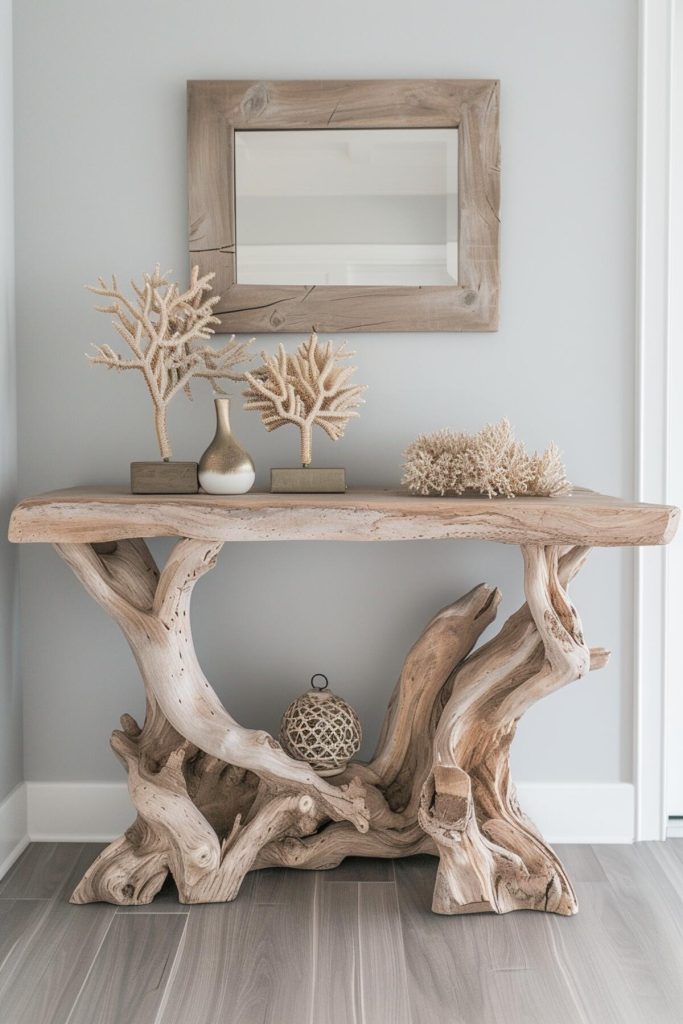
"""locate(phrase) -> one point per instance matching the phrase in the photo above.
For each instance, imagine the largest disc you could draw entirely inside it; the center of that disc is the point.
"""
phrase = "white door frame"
(674, 609)
(655, 60)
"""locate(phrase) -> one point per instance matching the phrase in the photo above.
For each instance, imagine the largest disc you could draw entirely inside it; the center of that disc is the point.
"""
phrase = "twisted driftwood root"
(215, 800)
(491, 856)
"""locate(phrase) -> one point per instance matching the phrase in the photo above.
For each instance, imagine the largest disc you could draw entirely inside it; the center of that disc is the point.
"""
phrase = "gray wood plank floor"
(357, 945)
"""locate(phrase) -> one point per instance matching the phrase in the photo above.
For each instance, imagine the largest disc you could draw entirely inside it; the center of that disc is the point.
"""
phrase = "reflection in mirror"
(347, 207)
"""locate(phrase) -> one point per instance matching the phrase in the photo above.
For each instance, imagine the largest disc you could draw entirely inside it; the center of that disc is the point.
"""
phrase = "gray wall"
(101, 187)
(10, 694)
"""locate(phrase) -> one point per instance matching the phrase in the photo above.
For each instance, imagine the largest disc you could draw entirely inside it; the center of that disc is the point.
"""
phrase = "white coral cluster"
(491, 462)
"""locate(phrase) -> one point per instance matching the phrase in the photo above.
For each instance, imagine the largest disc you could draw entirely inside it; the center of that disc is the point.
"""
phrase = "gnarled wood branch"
(216, 800)
(469, 805)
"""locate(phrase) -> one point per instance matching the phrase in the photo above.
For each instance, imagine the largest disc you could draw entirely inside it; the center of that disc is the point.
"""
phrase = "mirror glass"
(347, 207)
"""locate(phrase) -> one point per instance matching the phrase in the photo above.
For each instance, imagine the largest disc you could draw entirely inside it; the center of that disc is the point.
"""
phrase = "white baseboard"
(565, 812)
(14, 836)
(78, 812)
(581, 812)
(674, 828)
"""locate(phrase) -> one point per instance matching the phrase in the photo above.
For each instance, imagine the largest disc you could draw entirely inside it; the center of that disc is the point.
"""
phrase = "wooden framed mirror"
(341, 206)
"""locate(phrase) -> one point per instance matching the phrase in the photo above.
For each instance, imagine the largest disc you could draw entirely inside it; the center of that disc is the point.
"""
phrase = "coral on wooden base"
(165, 328)
(306, 387)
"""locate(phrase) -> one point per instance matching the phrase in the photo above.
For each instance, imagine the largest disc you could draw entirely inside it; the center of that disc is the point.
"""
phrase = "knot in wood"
(255, 100)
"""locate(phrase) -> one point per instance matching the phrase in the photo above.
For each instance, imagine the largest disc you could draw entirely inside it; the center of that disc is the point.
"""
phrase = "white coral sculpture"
(164, 328)
(490, 462)
(306, 387)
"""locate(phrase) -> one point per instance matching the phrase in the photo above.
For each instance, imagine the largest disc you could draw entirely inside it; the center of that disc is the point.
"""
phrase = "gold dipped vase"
(225, 467)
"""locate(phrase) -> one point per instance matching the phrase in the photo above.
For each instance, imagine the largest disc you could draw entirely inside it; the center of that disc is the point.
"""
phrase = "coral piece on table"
(491, 462)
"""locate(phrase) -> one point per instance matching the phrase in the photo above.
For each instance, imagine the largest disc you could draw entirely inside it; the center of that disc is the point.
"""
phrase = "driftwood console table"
(215, 800)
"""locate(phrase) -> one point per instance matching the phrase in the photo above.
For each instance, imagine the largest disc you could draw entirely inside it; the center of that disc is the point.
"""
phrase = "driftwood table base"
(215, 800)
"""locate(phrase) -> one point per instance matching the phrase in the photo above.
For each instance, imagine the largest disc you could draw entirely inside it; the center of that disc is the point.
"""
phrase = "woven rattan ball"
(321, 728)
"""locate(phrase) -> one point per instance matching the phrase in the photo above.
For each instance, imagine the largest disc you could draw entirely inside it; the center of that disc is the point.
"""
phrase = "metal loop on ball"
(319, 675)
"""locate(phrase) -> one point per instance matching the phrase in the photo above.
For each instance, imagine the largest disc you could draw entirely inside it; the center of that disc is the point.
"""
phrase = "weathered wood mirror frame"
(216, 109)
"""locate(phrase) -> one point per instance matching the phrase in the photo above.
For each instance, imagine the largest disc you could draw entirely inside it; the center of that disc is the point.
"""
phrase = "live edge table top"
(91, 515)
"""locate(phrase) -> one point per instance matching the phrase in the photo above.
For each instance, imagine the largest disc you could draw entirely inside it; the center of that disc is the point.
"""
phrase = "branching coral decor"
(164, 328)
(491, 462)
(306, 387)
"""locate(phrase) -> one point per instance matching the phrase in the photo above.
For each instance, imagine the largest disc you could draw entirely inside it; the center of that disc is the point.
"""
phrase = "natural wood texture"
(581, 862)
(90, 515)
(215, 800)
(191, 755)
(275, 928)
(19, 919)
(217, 109)
(308, 480)
(40, 872)
(165, 902)
(646, 922)
(336, 995)
(471, 969)
(130, 973)
(360, 869)
(491, 857)
(41, 979)
(164, 478)
(290, 949)
(381, 954)
(594, 970)
(192, 769)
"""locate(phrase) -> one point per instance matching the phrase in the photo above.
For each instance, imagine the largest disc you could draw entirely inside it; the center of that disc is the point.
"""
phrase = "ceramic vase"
(225, 467)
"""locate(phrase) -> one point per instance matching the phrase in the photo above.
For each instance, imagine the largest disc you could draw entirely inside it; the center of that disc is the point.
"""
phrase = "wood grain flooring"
(357, 945)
